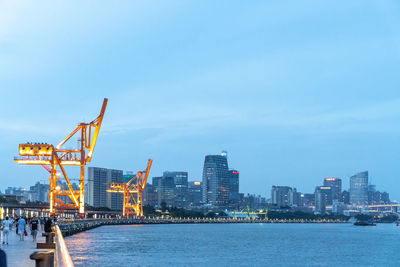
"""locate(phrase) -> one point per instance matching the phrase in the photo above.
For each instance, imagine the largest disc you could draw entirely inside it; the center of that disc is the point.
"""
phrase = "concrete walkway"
(17, 251)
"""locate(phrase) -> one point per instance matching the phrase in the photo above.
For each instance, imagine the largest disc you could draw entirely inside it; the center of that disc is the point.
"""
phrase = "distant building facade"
(359, 188)
(336, 188)
(96, 189)
(195, 193)
(321, 196)
(280, 195)
(216, 180)
(180, 187)
(233, 187)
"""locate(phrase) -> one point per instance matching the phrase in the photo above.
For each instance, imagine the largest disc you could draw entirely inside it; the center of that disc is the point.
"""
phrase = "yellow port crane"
(57, 156)
(133, 192)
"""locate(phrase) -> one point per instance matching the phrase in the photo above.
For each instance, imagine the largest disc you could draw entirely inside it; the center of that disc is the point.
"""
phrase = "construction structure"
(133, 192)
(51, 157)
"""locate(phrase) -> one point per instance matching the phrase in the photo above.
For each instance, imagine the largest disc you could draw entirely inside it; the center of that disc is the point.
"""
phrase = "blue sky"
(295, 90)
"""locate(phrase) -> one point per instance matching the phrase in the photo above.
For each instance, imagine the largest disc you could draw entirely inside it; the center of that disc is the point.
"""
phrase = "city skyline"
(292, 99)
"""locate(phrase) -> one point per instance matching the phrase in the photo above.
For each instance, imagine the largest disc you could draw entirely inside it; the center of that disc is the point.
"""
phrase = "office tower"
(359, 188)
(371, 194)
(308, 200)
(233, 187)
(294, 198)
(115, 201)
(180, 187)
(97, 195)
(320, 199)
(150, 195)
(336, 186)
(216, 180)
(194, 193)
(345, 198)
(164, 188)
(280, 195)
(39, 192)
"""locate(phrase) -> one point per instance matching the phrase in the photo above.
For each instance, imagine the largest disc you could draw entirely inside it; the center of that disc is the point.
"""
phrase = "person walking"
(34, 227)
(7, 223)
(21, 228)
(16, 224)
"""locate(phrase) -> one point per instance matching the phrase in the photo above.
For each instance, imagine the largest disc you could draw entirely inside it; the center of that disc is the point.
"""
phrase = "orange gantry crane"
(133, 192)
(57, 156)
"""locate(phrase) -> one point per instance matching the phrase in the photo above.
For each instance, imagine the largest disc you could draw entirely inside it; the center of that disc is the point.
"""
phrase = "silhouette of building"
(96, 189)
(233, 187)
(359, 188)
(336, 188)
(280, 195)
(216, 180)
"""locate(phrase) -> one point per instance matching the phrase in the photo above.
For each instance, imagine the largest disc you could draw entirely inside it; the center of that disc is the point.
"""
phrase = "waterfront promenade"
(18, 252)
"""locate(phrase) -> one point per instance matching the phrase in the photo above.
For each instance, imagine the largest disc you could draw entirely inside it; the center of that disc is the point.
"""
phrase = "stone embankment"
(70, 227)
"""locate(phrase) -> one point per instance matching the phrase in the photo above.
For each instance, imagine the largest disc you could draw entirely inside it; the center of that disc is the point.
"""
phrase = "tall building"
(294, 198)
(371, 194)
(150, 196)
(115, 201)
(233, 187)
(336, 186)
(96, 190)
(280, 195)
(321, 196)
(194, 193)
(39, 192)
(359, 188)
(345, 197)
(216, 180)
(164, 188)
(307, 200)
(180, 187)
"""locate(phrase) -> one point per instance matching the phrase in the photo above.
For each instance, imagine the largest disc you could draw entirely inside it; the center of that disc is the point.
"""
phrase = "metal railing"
(63, 259)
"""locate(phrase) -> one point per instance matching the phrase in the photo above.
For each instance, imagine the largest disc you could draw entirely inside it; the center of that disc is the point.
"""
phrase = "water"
(237, 244)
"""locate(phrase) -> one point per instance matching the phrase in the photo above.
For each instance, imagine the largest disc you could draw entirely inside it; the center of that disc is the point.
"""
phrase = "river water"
(237, 244)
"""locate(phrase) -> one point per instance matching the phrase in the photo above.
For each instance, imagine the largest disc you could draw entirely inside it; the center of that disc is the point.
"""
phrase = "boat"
(364, 223)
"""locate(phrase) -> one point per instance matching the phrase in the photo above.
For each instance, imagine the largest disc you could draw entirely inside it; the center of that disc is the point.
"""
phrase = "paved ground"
(17, 251)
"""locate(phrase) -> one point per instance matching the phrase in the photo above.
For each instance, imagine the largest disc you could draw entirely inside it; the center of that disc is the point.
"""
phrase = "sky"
(295, 91)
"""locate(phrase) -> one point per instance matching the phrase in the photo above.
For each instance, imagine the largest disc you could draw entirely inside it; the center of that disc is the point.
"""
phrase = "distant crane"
(48, 155)
(133, 192)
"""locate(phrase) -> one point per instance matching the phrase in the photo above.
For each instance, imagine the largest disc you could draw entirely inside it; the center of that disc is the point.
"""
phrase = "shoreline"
(75, 227)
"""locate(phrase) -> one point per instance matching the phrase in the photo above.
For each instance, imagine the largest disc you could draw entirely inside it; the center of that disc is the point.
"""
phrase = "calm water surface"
(237, 244)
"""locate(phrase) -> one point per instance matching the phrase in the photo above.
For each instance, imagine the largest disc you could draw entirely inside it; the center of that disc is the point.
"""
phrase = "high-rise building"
(164, 188)
(216, 180)
(372, 194)
(345, 197)
(336, 186)
(321, 196)
(280, 195)
(307, 200)
(233, 187)
(180, 188)
(194, 193)
(96, 190)
(115, 201)
(149, 195)
(39, 192)
(294, 198)
(359, 188)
